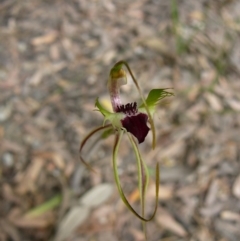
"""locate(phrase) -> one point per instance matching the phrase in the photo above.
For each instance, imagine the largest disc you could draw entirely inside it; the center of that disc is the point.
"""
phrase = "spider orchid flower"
(131, 120)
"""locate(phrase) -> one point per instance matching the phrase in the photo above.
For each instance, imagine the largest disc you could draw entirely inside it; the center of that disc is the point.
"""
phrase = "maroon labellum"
(134, 122)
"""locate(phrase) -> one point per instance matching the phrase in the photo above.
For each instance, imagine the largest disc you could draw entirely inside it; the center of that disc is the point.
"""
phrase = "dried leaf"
(43, 221)
(214, 101)
(231, 216)
(167, 221)
(73, 219)
(236, 188)
(5, 112)
(234, 104)
(36, 79)
(156, 44)
(97, 195)
(28, 180)
(45, 39)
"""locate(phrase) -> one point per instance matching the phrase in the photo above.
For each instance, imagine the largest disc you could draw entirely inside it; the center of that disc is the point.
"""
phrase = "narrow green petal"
(107, 133)
(143, 179)
(116, 176)
(143, 176)
(114, 118)
(104, 111)
(154, 96)
(117, 180)
(84, 141)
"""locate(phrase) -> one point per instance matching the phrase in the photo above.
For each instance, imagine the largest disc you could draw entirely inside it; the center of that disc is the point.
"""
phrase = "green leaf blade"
(45, 207)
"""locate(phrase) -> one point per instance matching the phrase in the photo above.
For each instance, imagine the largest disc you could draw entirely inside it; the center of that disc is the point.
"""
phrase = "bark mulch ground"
(55, 58)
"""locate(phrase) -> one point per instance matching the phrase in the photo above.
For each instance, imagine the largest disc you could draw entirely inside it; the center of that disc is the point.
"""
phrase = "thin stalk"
(143, 179)
(116, 176)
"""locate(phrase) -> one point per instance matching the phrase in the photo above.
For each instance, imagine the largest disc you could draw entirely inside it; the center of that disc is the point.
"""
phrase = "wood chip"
(43, 221)
(214, 101)
(234, 104)
(231, 216)
(44, 39)
(166, 192)
(167, 221)
(236, 187)
(28, 180)
(97, 195)
(73, 219)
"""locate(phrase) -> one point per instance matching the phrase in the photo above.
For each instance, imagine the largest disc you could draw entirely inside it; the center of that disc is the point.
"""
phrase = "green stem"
(143, 179)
